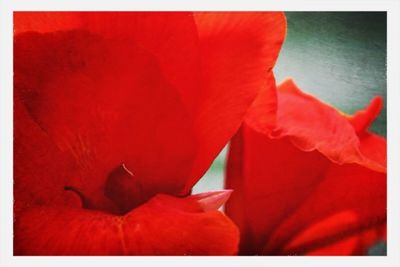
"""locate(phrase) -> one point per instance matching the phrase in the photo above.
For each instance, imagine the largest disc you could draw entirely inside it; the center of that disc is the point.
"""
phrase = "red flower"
(315, 184)
(122, 113)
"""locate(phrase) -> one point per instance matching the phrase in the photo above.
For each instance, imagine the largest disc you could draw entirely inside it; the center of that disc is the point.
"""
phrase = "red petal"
(270, 178)
(176, 53)
(362, 119)
(372, 146)
(262, 113)
(45, 21)
(335, 224)
(238, 51)
(163, 226)
(166, 93)
(343, 188)
(106, 103)
(356, 244)
(329, 233)
(284, 190)
(317, 127)
(36, 159)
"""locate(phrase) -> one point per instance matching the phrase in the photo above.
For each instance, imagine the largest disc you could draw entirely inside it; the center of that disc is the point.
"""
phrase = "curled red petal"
(372, 145)
(318, 127)
(163, 226)
(362, 119)
(283, 191)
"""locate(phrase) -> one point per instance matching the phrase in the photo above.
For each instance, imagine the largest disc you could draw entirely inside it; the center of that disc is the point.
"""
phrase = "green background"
(340, 57)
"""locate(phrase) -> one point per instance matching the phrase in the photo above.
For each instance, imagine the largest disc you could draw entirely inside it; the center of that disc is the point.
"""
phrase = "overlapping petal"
(163, 226)
(233, 75)
(179, 82)
(51, 221)
(35, 162)
(107, 104)
(313, 185)
(121, 107)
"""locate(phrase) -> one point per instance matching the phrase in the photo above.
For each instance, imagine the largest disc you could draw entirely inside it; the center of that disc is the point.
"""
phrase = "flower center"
(122, 193)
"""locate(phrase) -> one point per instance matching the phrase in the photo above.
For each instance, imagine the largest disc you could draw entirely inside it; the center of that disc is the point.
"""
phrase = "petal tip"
(213, 200)
(362, 119)
(288, 85)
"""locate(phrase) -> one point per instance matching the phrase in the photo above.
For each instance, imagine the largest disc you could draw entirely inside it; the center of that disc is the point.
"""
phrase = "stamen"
(122, 192)
(127, 170)
(124, 189)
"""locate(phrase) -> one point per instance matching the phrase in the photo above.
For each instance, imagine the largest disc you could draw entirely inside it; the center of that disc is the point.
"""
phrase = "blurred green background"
(340, 57)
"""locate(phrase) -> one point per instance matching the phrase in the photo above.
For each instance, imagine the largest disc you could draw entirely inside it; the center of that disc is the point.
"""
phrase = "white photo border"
(392, 7)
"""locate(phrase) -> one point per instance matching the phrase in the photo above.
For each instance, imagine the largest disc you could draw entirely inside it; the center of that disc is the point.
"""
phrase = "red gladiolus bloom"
(117, 116)
(315, 184)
